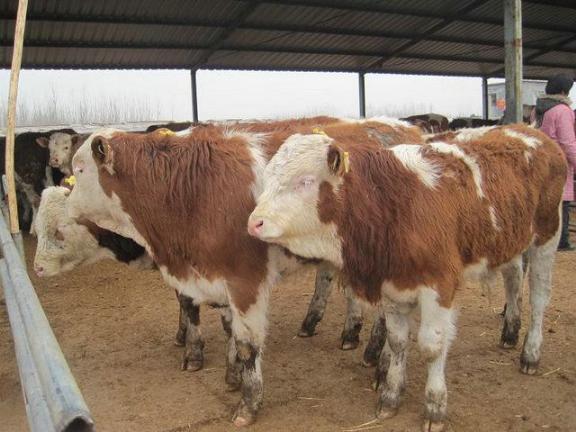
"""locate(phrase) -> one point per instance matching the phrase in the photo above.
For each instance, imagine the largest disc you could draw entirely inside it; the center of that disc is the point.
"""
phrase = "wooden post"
(485, 107)
(11, 123)
(513, 60)
(361, 95)
(194, 96)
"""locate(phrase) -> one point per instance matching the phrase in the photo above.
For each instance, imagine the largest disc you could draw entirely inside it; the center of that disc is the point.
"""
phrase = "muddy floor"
(116, 327)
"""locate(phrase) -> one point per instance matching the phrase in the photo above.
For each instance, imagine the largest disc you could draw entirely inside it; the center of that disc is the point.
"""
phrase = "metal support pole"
(485, 107)
(513, 62)
(11, 121)
(361, 95)
(194, 96)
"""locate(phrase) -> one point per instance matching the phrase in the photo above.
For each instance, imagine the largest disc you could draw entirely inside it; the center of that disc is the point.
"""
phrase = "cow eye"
(305, 182)
(66, 148)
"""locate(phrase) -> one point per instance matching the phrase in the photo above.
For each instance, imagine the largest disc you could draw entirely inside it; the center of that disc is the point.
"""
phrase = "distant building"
(531, 89)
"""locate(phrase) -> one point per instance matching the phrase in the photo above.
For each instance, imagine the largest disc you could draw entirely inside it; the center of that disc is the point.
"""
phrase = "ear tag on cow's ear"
(165, 132)
(318, 131)
(70, 180)
(346, 162)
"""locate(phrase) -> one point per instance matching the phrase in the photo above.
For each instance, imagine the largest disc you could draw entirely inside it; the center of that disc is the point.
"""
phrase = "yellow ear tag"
(346, 162)
(318, 131)
(165, 132)
(70, 180)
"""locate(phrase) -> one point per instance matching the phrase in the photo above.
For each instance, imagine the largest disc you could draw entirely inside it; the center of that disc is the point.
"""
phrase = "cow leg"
(436, 332)
(353, 323)
(193, 358)
(392, 366)
(233, 375)
(49, 179)
(376, 342)
(180, 339)
(249, 330)
(322, 289)
(540, 280)
(513, 277)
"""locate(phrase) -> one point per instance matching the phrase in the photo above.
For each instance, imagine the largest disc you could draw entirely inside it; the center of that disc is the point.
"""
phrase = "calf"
(186, 199)
(470, 122)
(62, 146)
(411, 224)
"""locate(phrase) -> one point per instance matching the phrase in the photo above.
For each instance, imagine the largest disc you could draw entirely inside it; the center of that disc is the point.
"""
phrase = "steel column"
(513, 64)
(194, 96)
(485, 107)
(361, 95)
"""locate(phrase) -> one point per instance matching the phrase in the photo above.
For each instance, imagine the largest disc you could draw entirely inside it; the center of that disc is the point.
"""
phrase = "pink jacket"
(558, 124)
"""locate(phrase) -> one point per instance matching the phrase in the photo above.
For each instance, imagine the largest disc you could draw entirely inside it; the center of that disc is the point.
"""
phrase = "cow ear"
(338, 161)
(75, 139)
(42, 141)
(102, 153)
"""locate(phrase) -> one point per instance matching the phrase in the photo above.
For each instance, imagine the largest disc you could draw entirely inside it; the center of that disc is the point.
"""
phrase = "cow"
(429, 123)
(62, 146)
(172, 126)
(408, 226)
(186, 199)
(32, 172)
(470, 122)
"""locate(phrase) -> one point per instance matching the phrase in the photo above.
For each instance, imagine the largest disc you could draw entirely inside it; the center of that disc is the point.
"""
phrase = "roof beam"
(283, 49)
(290, 28)
(462, 11)
(386, 8)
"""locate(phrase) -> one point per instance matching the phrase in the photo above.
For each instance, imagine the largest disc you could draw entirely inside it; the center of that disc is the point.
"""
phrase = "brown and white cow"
(430, 123)
(187, 199)
(62, 147)
(409, 225)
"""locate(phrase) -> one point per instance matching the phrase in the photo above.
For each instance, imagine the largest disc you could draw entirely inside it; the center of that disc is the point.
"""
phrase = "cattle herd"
(399, 213)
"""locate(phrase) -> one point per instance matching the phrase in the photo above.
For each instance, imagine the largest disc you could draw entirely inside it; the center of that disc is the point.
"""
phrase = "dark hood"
(548, 102)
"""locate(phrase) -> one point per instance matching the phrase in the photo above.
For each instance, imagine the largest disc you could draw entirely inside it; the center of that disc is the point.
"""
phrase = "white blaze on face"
(62, 243)
(88, 199)
(287, 210)
(60, 147)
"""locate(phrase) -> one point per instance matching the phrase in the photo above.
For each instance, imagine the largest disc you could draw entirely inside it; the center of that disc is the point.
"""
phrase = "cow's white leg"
(540, 280)
(376, 342)
(33, 223)
(436, 332)
(193, 358)
(322, 289)
(353, 324)
(513, 277)
(233, 375)
(249, 330)
(392, 366)
(49, 179)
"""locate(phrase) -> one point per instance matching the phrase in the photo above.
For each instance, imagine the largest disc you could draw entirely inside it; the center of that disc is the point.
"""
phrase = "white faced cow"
(409, 225)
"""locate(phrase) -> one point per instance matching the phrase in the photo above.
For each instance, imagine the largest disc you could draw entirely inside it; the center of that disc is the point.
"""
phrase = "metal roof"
(445, 37)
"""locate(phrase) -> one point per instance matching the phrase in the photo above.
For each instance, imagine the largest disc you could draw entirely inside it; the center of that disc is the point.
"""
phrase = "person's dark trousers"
(565, 235)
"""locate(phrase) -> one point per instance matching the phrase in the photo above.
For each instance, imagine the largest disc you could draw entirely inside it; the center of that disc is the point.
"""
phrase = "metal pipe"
(67, 408)
(194, 95)
(37, 411)
(513, 60)
(6, 212)
(362, 95)
(485, 106)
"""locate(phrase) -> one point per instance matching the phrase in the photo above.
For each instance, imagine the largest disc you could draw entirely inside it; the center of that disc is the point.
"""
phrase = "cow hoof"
(507, 346)
(368, 362)
(433, 426)
(305, 333)
(192, 365)
(385, 412)
(348, 345)
(528, 368)
(243, 416)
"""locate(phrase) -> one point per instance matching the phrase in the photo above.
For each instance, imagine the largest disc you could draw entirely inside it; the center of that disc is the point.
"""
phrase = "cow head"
(62, 243)
(61, 147)
(288, 211)
(93, 164)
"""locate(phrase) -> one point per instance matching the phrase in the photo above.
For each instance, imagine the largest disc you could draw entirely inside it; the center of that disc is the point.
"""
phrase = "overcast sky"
(248, 94)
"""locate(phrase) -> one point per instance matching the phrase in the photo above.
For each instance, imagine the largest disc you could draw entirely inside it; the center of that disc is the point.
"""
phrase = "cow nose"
(38, 269)
(255, 227)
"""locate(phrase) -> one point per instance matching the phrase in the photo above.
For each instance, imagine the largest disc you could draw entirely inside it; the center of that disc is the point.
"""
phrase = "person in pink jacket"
(555, 118)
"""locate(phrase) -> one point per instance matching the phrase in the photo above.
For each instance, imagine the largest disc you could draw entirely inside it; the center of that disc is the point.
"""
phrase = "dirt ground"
(116, 327)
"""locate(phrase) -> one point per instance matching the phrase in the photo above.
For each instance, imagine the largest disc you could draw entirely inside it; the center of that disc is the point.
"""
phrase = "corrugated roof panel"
(554, 16)
(459, 29)
(561, 58)
(265, 39)
(457, 49)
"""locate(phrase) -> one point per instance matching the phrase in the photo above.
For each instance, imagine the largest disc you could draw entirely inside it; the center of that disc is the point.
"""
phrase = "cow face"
(88, 200)
(287, 210)
(62, 243)
(60, 146)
